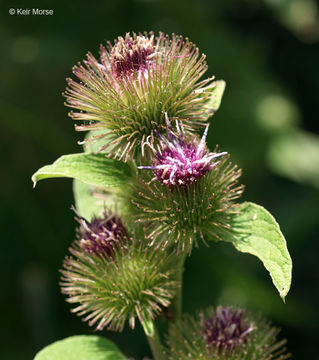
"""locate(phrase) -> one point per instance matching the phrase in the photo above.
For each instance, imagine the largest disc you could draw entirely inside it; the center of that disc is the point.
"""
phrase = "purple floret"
(101, 234)
(131, 54)
(179, 161)
(226, 329)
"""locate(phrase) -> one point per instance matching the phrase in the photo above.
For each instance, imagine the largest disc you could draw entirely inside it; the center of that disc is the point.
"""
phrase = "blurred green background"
(268, 53)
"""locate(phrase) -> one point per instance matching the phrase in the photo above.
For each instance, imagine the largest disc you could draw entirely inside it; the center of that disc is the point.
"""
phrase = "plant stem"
(177, 303)
(155, 345)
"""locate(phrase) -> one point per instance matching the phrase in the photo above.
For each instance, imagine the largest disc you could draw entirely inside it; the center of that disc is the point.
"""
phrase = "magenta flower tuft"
(179, 161)
(226, 329)
(101, 234)
(131, 55)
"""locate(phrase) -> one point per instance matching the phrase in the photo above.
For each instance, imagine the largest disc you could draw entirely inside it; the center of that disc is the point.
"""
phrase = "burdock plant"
(224, 334)
(191, 194)
(147, 191)
(115, 278)
(126, 91)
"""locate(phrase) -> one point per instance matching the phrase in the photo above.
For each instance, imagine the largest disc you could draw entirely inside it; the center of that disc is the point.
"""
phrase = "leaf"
(258, 233)
(94, 141)
(92, 169)
(89, 201)
(81, 347)
(213, 103)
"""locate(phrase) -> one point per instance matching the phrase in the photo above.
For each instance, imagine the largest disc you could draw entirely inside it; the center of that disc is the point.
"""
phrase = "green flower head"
(190, 195)
(114, 278)
(224, 334)
(126, 92)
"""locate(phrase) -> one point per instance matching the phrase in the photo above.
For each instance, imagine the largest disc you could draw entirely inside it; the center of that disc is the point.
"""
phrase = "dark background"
(268, 53)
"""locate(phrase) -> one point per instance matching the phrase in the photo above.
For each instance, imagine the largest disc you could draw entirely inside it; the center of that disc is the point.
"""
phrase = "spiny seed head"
(101, 234)
(226, 329)
(224, 334)
(181, 215)
(126, 92)
(180, 160)
(109, 290)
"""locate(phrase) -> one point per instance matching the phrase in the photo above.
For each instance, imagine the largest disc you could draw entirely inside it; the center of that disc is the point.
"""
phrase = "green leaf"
(89, 201)
(92, 169)
(213, 103)
(81, 347)
(94, 141)
(258, 233)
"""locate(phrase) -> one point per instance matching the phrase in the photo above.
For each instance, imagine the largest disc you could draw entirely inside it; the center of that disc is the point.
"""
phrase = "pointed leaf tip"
(258, 233)
(92, 169)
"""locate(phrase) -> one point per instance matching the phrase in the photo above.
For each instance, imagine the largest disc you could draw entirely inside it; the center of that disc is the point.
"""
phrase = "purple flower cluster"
(179, 161)
(227, 329)
(101, 234)
(130, 55)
